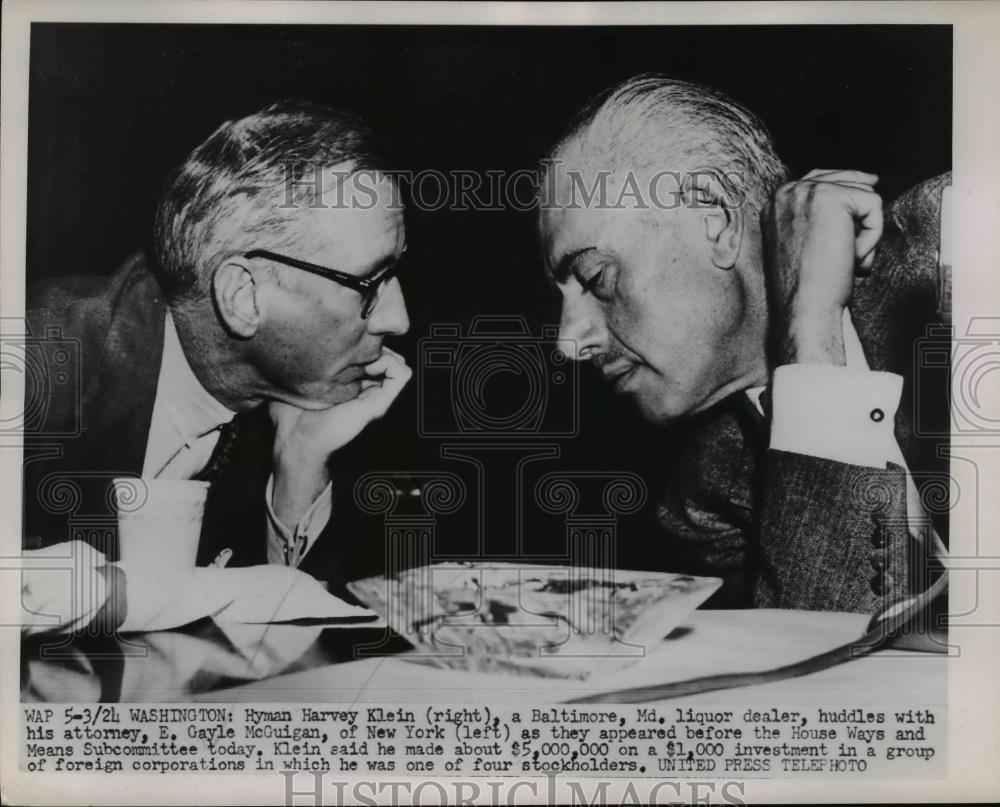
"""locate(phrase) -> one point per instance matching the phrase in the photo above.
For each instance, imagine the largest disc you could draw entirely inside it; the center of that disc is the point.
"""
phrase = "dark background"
(114, 107)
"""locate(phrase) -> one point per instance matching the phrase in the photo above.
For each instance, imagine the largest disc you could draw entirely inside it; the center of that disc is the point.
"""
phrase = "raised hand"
(818, 231)
(305, 439)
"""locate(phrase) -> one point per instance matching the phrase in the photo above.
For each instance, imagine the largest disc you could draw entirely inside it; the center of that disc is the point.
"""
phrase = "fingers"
(861, 186)
(386, 378)
(828, 175)
(385, 363)
(861, 180)
(388, 351)
(854, 190)
(303, 435)
(397, 375)
(866, 208)
(379, 397)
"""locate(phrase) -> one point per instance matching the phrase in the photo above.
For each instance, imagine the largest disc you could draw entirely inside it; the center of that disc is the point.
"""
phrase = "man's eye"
(595, 281)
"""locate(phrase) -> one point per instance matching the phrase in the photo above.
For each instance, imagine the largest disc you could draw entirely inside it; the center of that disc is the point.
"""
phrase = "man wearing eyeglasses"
(248, 351)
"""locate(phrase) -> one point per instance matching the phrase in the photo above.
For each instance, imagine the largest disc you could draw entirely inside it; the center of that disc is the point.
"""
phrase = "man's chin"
(328, 396)
(343, 392)
(660, 408)
(652, 409)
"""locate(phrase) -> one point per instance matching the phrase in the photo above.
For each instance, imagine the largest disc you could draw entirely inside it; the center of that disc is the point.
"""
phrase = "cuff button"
(878, 561)
(877, 415)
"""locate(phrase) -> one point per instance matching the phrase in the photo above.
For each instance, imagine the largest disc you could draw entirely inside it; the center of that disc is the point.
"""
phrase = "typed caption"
(361, 739)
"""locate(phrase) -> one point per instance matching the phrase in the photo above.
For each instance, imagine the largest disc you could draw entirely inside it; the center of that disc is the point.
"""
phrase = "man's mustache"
(603, 359)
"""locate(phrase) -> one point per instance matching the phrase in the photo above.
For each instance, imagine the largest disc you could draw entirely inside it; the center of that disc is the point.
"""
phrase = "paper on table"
(54, 598)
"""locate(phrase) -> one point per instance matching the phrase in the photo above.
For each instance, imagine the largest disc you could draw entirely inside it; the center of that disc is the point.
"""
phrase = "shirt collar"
(754, 394)
(192, 408)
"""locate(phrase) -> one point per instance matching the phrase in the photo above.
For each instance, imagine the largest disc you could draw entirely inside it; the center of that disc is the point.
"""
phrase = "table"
(315, 663)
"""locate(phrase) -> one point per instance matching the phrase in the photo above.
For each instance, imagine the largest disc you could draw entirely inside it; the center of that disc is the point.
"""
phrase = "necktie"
(221, 456)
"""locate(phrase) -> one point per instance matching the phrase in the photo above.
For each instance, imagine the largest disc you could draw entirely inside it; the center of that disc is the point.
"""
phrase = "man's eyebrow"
(565, 265)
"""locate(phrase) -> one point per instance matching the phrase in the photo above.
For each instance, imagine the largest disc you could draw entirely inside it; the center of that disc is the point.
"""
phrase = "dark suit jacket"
(793, 531)
(97, 345)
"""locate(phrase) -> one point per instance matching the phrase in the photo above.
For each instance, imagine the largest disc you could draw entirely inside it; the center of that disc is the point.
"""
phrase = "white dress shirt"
(183, 434)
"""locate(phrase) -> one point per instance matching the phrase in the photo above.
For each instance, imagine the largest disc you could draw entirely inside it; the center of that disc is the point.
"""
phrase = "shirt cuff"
(288, 547)
(63, 588)
(837, 413)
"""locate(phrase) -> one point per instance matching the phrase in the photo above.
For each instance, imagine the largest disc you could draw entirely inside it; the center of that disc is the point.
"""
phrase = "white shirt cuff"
(834, 412)
(287, 547)
(61, 589)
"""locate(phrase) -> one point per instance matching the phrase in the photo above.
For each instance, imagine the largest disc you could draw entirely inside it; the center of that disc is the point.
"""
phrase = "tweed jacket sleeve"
(832, 536)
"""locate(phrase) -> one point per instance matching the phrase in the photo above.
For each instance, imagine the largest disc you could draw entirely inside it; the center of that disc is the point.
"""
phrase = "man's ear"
(234, 293)
(720, 207)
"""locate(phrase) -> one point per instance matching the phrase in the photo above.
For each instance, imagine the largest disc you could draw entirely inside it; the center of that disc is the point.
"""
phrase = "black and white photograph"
(574, 403)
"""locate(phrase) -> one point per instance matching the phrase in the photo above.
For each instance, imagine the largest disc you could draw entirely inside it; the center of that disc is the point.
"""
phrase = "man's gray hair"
(239, 189)
(651, 119)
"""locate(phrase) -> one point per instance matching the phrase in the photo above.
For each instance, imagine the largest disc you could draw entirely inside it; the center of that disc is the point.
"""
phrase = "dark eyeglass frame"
(370, 288)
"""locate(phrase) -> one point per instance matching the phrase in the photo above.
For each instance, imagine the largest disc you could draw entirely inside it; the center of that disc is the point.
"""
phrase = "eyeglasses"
(370, 288)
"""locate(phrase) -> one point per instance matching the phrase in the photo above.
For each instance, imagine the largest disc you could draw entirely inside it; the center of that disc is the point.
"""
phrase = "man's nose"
(581, 333)
(389, 317)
